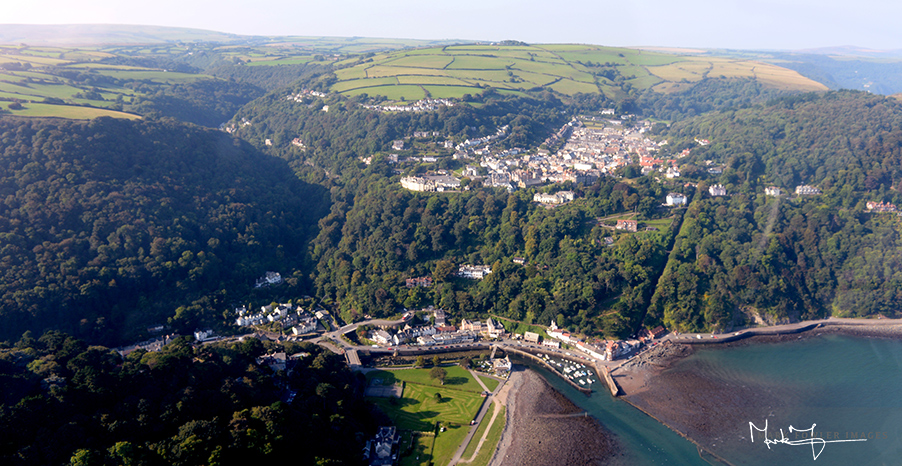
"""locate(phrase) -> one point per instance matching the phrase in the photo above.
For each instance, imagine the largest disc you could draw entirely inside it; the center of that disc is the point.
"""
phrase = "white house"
(475, 272)
(717, 190)
(772, 191)
(674, 199)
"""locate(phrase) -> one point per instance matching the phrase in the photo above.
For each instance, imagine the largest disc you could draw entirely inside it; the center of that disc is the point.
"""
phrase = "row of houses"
(501, 132)
(300, 321)
(423, 282)
(424, 336)
(881, 207)
(608, 350)
(560, 197)
(491, 328)
(425, 105)
(154, 344)
(430, 183)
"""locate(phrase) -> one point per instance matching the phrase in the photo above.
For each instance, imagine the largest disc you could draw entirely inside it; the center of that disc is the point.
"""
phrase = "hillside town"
(585, 155)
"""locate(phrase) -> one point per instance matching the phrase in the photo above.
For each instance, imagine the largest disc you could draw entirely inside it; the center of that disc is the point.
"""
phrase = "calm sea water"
(850, 387)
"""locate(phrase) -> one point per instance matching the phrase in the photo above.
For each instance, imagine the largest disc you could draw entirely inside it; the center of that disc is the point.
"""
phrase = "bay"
(847, 388)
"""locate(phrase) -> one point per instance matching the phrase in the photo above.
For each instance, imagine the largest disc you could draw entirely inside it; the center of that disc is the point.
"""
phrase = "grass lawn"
(516, 327)
(417, 410)
(419, 79)
(662, 224)
(491, 441)
(458, 378)
(421, 453)
(490, 382)
(689, 70)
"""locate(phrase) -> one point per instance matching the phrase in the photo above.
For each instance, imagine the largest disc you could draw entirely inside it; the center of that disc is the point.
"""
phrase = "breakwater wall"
(606, 373)
(747, 333)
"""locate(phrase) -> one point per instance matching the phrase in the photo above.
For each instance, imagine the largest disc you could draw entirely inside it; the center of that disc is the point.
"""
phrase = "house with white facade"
(675, 199)
(474, 272)
(805, 190)
(717, 190)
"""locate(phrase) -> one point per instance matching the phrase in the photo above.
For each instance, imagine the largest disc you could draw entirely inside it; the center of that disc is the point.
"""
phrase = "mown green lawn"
(458, 378)
(490, 382)
(418, 410)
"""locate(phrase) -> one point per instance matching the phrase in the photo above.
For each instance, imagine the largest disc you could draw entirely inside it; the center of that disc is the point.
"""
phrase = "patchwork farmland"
(453, 71)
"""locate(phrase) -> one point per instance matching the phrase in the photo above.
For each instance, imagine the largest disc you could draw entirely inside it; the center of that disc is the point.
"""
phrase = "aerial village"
(586, 154)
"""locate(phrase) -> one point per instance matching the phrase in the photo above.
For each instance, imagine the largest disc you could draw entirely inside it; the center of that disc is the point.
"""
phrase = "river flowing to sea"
(850, 387)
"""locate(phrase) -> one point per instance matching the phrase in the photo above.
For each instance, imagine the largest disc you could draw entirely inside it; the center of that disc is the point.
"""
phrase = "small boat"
(582, 382)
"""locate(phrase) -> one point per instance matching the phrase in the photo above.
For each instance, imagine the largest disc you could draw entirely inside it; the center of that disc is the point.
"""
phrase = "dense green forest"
(365, 251)
(790, 257)
(109, 225)
(337, 137)
(65, 402)
(707, 95)
(207, 102)
(112, 224)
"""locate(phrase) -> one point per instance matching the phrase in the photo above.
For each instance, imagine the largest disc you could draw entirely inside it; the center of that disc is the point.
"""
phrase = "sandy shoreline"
(545, 428)
(693, 403)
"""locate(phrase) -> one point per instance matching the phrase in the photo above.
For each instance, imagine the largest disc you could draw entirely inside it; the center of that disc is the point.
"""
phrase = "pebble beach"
(545, 428)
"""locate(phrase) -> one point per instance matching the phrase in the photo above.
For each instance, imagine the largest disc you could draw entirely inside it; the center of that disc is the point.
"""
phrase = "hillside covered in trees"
(790, 257)
(65, 402)
(109, 225)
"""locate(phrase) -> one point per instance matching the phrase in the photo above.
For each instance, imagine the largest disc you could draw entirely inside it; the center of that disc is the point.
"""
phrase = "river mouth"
(842, 392)
(845, 391)
(640, 439)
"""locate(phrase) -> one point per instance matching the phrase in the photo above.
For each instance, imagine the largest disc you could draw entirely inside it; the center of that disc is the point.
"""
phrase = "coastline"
(545, 427)
(692, 403)
(848, 326)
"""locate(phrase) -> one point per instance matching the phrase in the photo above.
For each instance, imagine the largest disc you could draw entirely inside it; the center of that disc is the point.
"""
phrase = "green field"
(458, 378)
(422, 450)
(368, 82)
(448, 92)
(392, 92)
(418, 410)
(521, 328)
(564, 68)
(490, 382)
(69, 111)
(566, 86)
(491, 441)
(439, 80)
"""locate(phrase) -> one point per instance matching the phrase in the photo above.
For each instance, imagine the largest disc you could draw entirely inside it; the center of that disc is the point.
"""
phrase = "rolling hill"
(453, 71)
